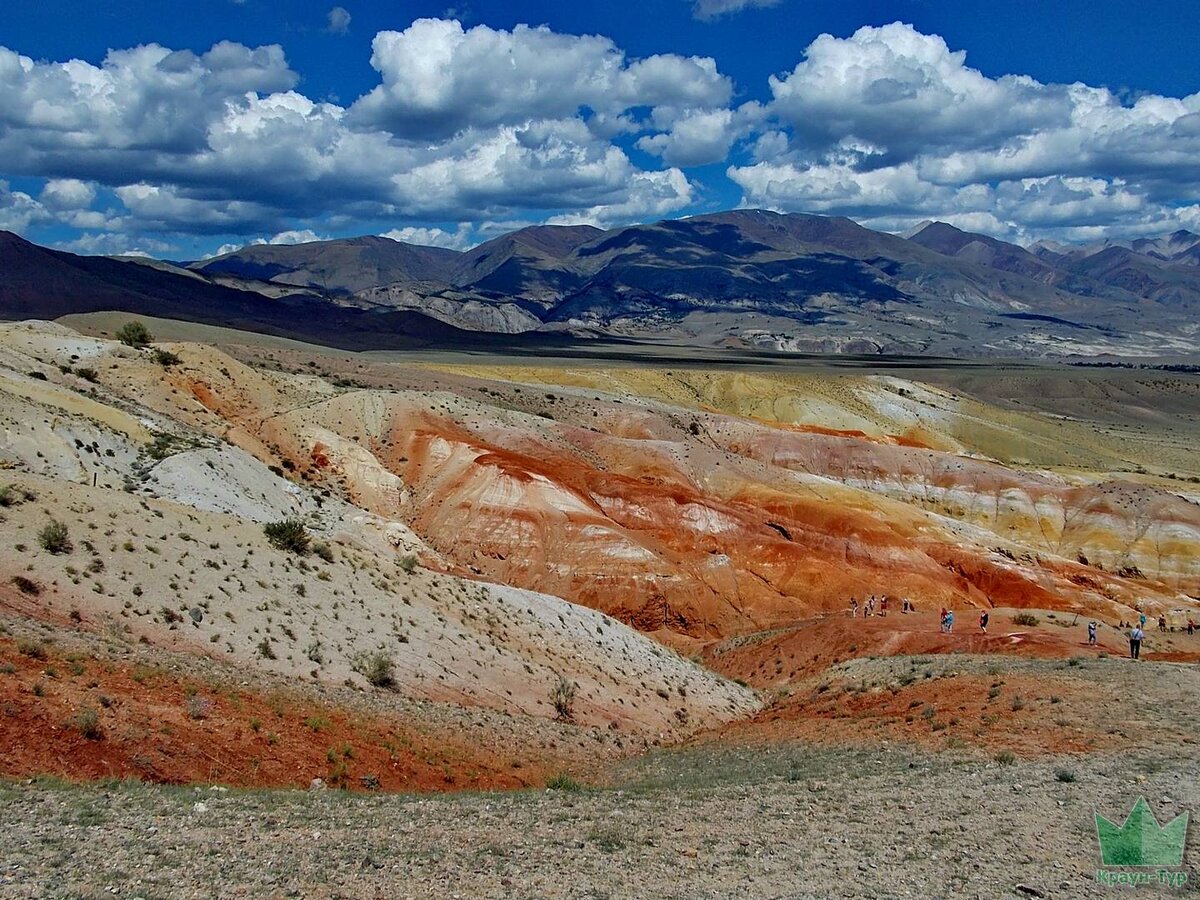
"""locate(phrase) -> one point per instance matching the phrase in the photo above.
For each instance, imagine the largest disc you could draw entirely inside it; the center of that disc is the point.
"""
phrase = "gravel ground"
(708, 822)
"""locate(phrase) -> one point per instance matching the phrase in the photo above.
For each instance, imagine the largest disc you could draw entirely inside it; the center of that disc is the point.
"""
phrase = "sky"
(181, 130)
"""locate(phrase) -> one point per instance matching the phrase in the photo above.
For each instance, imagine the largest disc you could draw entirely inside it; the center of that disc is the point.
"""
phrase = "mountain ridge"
(741, 279)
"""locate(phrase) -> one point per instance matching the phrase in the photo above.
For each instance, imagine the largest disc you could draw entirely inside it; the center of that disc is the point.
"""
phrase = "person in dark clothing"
(1135, 642)
(983, 621)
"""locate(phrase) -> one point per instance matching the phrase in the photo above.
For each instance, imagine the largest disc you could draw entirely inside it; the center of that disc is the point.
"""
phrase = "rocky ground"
(730, 815)
(763, 822)
(597, 618)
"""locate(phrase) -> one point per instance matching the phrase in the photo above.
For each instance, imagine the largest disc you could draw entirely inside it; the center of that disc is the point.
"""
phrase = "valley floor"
(781, 822)
(730, 815)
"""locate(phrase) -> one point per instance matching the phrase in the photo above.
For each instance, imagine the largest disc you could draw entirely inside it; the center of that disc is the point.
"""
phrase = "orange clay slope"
(691, 524)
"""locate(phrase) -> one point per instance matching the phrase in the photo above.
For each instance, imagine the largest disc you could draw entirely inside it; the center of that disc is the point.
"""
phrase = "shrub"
(563, 697)
(26, 586)
(324, 551)
(408, 563)
(134, 334)
(288, 535)
(609, 838)
(564, 783)
(1018, 704)
(377, 667)
(87, 374)
(265, 650)
(165, 358)
(1066, 776)
(11, 495)
(88, 723)
(1028, 619)
(54, 538)
(31, 648)
(1005, 757)
(198, 707)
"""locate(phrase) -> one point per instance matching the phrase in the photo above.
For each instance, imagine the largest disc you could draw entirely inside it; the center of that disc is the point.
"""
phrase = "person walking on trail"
(1191, 626)
(1162, 623)
(1142, 621)
(853, 608)
(1135, 642)
(1092, 626)
(883, 604)
(949, 621)
(983, 621)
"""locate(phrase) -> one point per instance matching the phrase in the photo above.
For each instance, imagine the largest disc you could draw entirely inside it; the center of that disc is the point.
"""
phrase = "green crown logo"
(1141, 841)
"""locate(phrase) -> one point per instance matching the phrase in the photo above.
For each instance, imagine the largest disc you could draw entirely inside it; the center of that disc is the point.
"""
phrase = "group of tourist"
(879, 606)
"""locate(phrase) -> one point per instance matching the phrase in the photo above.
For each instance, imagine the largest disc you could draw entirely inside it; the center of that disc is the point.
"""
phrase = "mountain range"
(742, 279)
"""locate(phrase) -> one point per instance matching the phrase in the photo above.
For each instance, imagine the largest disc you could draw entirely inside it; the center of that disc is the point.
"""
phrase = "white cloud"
(471, 124)
(459, 239)
(439, 79)
(483, 125)
(18, 210)
(707, 10)
(338, 20)
(696, 138)
(301, 236)
(68, 194)
(657, 194)
(891, 126)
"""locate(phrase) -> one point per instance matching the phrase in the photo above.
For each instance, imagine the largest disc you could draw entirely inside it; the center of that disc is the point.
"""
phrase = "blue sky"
(184, 128)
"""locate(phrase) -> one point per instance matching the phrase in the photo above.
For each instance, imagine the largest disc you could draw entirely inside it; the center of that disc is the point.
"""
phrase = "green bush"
(165, 358)
(134, 334)
(1006, 758)
(377, 667)
(288, 535)
(1028, 619)
(88, 723)
(53, 538)
(563, 697)
(564, 783)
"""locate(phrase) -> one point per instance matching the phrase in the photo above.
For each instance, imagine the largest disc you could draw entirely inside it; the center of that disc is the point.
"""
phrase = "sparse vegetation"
(87, 721)
(1026, 619)
(165, 358)
(134, 334)
(288, 535)
(562, 697)
(54, 538)
(27, 585)
(377, 667)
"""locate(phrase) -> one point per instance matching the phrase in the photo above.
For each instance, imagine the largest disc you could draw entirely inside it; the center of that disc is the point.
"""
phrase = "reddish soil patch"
(1030, 715)
(154, 725)
(776, 659)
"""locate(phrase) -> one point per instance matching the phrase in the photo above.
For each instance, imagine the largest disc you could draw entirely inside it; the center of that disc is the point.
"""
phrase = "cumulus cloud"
(338, 20)
(891, 126)
(484, 125)
(439, 78)
(68, 193)
(18, 210)
(466, 124)
(459, 239)
(707, 10)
